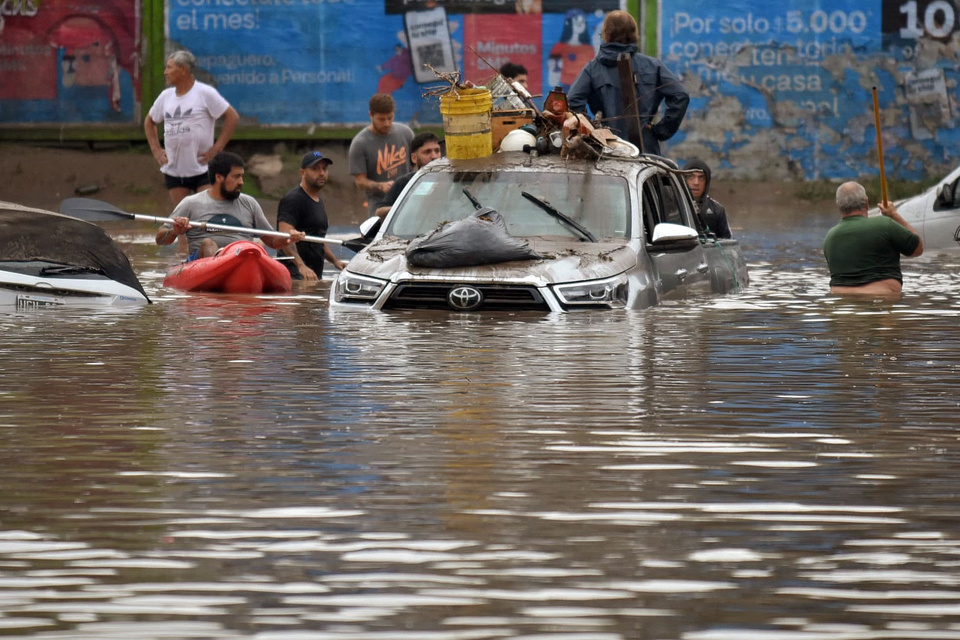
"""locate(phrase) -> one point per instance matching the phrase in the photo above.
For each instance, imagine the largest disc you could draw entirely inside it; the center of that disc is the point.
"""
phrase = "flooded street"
(775, 465)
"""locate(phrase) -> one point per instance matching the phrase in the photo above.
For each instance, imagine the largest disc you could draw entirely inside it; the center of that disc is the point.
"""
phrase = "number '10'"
(939, 19)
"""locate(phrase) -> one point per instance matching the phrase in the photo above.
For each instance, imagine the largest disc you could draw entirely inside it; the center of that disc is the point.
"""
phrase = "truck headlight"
(353, 288)
(609, 292)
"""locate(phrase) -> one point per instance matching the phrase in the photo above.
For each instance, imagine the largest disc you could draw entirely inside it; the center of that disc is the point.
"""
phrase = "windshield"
(598, 203)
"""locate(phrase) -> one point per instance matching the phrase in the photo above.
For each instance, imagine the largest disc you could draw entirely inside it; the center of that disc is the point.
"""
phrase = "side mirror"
(941, 200)
(669, 232)
(370, 226)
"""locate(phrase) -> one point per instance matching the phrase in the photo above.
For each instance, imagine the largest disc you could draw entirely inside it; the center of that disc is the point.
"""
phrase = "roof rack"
(646, 158)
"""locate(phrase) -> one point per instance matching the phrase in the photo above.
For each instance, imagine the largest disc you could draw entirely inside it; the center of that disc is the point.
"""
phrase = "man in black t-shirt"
(301, 209)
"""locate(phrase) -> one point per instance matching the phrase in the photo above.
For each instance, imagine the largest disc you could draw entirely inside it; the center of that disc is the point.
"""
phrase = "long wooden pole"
(883, 174)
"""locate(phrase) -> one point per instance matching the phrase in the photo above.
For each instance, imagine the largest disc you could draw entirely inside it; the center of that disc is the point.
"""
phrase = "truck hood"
(563, 261)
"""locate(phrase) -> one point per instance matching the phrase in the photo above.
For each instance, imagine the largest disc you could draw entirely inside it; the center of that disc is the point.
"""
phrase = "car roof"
(553, 163)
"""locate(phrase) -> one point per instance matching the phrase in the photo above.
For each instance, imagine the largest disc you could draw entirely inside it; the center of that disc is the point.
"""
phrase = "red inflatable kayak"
(239, 267)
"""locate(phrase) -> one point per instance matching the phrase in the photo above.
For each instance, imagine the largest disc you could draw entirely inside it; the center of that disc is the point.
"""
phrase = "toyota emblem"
(464, 298)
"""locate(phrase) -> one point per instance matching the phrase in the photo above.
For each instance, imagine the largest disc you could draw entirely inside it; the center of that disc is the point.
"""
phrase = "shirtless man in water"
(863, 253)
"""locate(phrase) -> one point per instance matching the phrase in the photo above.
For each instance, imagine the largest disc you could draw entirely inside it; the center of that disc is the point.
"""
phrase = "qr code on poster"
(431, 54)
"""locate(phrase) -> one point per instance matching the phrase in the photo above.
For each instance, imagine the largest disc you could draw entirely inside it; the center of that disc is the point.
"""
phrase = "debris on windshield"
(480, 239)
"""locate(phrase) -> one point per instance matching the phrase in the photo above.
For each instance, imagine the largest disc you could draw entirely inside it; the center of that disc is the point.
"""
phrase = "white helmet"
(518, 140)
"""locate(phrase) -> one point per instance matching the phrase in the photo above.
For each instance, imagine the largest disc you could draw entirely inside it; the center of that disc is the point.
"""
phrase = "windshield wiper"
(473, 200)
(68, 269)
(562, 217)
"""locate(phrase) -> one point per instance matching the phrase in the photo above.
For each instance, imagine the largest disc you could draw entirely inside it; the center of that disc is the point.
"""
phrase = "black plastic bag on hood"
(480, 239)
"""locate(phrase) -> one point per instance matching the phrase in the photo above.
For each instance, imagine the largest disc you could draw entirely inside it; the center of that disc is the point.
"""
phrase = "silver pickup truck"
(610, 233)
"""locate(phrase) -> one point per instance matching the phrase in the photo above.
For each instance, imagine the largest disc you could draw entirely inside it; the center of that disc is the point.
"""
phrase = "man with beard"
(712, 213)
(225, 202)
(301, 208)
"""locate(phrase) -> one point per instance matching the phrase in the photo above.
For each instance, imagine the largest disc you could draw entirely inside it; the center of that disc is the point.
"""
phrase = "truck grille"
(495, 297)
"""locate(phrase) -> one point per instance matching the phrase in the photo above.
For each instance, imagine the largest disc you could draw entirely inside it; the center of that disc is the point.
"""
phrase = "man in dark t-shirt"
(301, 209)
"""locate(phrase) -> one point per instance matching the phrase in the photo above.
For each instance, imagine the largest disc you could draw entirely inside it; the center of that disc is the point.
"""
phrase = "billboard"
(786, 88)
(64, 61)
(317, 62)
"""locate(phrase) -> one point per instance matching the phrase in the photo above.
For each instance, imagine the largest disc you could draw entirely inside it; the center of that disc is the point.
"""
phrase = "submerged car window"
(671, 205)
(600, 203)
(949, 196)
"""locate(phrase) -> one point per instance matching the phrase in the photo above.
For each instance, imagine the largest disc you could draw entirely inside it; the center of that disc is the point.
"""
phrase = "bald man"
(863, 253)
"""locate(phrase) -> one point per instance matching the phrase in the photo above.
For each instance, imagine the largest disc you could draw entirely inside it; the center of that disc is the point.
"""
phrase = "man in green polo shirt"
(863, 252)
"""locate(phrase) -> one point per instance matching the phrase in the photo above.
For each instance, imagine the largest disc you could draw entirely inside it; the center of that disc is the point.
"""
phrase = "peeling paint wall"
(784, 90)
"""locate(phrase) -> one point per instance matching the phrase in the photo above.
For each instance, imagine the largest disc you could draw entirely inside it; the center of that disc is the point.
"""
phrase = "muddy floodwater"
(778, 465)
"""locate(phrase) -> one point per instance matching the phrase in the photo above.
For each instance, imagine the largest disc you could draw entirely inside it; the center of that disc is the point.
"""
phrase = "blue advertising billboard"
(786, 88)
(317, 62)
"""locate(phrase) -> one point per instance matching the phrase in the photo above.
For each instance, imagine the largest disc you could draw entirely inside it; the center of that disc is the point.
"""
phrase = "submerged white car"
(51, 260)
(608, 233)
(935, 213)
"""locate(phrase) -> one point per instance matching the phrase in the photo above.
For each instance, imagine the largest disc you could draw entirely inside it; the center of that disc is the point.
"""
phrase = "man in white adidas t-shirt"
(189, 109)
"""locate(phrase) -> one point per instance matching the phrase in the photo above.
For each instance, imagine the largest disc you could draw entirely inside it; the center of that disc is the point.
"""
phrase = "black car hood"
(34, 234)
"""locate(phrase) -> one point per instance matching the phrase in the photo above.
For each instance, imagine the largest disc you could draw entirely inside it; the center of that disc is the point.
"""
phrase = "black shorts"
(192, 183)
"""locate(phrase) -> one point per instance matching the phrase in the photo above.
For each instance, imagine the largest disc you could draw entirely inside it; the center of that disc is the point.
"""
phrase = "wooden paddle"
(97, 211)
(883, 175)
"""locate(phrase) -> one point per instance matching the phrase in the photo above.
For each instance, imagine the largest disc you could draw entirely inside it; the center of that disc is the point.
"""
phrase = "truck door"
(680, 265)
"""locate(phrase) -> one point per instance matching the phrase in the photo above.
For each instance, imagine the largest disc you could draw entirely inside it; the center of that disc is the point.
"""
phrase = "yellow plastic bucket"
(466, 123)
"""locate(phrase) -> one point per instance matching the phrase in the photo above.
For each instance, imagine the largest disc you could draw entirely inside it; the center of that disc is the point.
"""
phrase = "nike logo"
(389, 158)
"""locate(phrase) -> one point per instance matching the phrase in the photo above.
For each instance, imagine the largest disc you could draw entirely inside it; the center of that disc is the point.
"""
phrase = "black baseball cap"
(312, 158)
